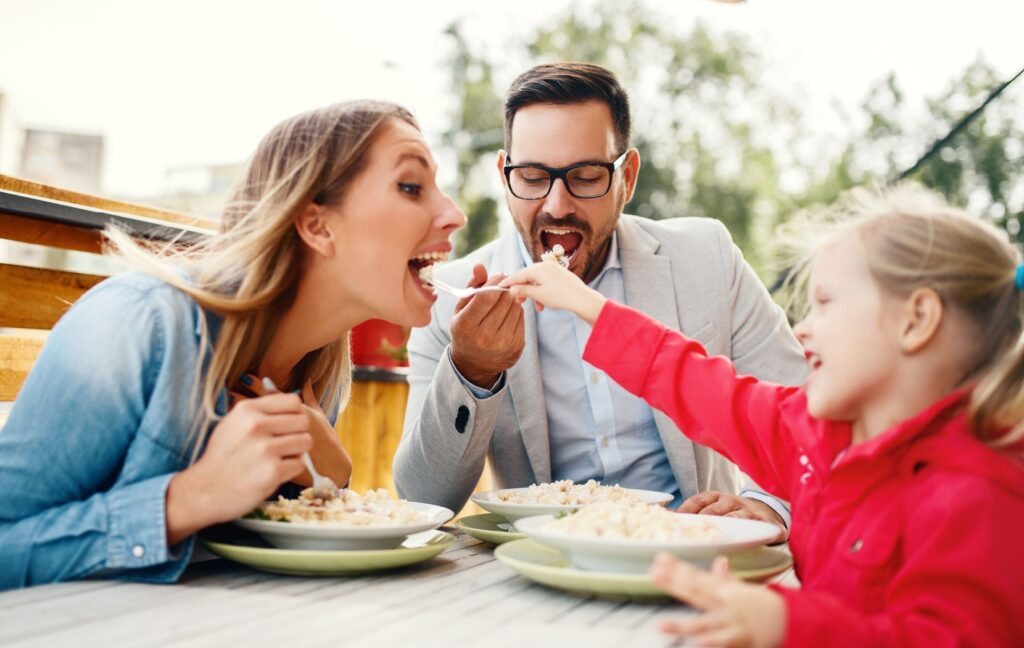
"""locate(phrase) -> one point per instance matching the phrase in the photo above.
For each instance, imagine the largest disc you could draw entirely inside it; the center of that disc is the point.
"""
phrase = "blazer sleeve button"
(461, 418)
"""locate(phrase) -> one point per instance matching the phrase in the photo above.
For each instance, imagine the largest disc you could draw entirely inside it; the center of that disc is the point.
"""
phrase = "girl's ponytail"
(996, 409)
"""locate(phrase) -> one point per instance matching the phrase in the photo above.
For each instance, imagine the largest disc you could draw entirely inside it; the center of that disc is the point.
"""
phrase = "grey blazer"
(684, 272)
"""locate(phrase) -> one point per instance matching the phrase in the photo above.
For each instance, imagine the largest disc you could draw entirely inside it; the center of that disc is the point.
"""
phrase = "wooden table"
(462, 597)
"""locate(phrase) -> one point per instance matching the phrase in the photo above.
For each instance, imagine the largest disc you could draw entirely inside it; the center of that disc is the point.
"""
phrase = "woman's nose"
(449, 217)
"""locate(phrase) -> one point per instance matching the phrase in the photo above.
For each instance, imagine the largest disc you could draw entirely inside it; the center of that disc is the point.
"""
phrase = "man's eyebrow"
(546, 166)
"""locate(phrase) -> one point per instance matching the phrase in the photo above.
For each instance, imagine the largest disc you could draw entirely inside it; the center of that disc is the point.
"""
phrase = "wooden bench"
(32, 299)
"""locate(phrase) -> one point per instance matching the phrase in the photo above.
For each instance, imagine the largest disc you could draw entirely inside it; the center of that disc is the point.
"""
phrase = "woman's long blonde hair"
(247, 274)
(914, 239)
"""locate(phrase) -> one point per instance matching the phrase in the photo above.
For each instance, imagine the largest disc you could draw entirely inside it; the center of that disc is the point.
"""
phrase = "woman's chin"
(421, 318)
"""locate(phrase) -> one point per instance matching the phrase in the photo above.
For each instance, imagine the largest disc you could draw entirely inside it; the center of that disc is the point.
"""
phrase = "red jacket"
(913, 538)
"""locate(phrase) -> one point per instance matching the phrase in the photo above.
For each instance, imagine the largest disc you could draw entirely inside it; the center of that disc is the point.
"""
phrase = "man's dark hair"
(569, 83)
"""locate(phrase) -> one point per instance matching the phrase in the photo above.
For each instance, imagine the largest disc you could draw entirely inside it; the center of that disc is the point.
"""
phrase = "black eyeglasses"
(583, 180)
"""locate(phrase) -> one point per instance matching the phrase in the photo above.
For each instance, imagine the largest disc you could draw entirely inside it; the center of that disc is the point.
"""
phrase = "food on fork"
(375, 508)
(422, 265)
(556, 254)
(426, 274)
(637, 522)
(565, 492)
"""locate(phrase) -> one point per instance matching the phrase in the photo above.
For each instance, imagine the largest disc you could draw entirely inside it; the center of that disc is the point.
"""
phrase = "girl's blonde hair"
(247, 274)
(914, 239)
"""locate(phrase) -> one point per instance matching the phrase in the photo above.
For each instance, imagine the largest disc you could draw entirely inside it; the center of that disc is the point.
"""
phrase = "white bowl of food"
(614, 538)
(561, 497)
(348, 522)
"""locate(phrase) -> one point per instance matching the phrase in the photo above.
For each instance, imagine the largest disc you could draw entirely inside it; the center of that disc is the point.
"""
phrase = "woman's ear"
(921, 317)
(313, 227)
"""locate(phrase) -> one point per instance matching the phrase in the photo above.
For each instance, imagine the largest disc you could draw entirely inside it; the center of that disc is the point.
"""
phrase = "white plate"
(598, 553)
(512, 512)
(338, 537)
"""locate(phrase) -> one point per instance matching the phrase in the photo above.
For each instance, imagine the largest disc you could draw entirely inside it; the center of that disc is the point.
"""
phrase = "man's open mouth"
(570, 240)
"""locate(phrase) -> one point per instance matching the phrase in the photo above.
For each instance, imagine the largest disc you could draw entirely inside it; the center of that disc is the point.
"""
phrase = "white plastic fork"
(461, 292)
(323, 487)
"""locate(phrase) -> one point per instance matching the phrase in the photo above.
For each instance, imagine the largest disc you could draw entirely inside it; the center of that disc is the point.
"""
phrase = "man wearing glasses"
(490, 379)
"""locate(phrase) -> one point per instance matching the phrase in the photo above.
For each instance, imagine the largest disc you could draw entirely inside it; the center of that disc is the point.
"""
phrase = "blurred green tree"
(980, 168)
(717, 140)
(474, 134)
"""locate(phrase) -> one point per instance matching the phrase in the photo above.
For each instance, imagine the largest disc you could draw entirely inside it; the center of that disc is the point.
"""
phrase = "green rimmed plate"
(552, 567)
(485, 527)
(296, 562)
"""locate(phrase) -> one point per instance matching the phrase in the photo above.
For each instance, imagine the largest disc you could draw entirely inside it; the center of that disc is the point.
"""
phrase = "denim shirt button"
(138, 551)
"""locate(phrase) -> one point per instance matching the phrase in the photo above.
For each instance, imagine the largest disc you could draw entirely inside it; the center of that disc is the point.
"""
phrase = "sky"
(196, 82)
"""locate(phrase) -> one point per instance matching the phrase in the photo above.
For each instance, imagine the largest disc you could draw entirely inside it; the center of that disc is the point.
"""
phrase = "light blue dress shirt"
(96, 434)
(596, 429)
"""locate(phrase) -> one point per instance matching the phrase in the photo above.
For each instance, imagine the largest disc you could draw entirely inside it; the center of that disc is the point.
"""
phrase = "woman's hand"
(328, 455)
(252, 451)
(735, 613)
(550, 285)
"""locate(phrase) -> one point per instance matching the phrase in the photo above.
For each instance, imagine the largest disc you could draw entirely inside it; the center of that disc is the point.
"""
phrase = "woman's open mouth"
(570, 240)
(421, 267)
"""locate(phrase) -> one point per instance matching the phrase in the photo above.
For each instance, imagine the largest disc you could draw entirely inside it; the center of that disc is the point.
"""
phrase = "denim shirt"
(98, 430)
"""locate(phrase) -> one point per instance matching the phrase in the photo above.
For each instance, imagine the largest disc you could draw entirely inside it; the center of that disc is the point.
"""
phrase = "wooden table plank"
(462, 596)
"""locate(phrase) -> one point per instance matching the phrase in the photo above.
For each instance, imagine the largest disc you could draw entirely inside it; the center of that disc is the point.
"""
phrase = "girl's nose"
(801, 330)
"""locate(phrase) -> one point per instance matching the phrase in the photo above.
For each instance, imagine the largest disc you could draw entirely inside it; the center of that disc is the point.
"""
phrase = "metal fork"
(461, 292)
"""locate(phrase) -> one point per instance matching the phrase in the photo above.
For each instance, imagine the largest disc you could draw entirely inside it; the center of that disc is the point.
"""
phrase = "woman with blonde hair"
(902, 454)
(144, 420)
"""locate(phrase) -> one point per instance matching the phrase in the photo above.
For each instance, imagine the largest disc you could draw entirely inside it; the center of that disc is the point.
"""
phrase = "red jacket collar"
(905, 432)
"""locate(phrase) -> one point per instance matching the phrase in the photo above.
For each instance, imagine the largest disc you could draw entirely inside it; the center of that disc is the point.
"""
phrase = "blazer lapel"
(650, 288)
(524, 380)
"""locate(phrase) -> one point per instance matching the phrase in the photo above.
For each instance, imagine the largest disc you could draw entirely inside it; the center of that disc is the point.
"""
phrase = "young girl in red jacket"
(901, 454)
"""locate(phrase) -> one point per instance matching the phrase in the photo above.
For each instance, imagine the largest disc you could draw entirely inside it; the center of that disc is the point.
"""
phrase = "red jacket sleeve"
(738, 416)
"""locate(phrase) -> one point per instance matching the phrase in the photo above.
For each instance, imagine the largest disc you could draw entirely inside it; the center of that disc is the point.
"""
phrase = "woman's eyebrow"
(402, 157)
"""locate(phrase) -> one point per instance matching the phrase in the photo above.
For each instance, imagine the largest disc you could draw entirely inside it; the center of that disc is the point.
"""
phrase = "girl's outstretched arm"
(738, 416)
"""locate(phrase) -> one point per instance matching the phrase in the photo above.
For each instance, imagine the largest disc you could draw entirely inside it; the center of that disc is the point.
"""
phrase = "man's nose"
(559, 201)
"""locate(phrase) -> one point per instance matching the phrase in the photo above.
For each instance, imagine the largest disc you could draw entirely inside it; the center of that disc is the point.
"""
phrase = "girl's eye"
(410, 188)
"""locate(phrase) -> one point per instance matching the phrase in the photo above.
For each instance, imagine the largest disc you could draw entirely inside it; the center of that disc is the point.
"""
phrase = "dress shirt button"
(594, 378)
(604, 441)
(138, 551)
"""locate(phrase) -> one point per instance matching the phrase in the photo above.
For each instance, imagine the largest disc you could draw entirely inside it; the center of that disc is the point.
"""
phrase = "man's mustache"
(568, 222)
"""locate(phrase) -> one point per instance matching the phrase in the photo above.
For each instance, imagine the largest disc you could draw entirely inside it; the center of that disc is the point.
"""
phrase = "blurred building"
(199, 190)
(10, 138)
(68, 160)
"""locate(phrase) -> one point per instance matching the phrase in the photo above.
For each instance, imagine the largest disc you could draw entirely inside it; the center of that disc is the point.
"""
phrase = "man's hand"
(488, 332)
(717, 503)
